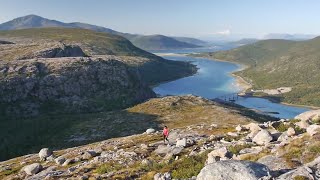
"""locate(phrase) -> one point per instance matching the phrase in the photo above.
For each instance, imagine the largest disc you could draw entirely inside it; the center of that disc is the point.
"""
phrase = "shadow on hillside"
(246, 112)
(24, 136)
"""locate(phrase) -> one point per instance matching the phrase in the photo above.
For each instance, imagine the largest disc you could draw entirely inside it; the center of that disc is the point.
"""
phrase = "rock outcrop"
(68, 84)
(54, 50)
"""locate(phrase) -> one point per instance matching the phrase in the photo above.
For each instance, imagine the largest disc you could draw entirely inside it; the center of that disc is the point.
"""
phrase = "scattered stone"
(181, 142)
(214, 125)
(283, 137)
(144, 146)
(233, 134)
(89, 154)
(67, 162)
(165, 176)
(146, 162)
(162, 150)
(176, 150)
(218, 154)
(233, 170)
(263, 137)
(304, 124)
(291, 132)
(239, 128)
(150, 131)
(44, 153)
(303, 171)
(274, 163)
(60, 160)
(32, 168)
(313, 114)
(253, 127)
(313, 129)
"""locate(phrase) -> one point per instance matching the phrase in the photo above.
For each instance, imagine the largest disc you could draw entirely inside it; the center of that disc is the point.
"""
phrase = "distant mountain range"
(153, 42)
(289, 36)
(244, 41)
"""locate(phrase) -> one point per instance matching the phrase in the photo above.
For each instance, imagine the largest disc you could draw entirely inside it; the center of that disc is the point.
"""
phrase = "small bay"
(214, 80)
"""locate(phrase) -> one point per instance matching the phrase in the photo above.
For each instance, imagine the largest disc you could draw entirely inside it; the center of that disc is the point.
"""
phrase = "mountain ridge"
(35, 21)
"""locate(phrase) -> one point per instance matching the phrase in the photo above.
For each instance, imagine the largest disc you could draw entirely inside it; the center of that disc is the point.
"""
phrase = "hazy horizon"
(206, 19)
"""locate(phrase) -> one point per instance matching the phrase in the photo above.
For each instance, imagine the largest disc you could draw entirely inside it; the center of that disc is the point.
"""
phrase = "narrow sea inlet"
(214, 80)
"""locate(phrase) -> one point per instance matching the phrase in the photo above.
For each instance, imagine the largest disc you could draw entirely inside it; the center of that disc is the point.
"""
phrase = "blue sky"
(197, 18)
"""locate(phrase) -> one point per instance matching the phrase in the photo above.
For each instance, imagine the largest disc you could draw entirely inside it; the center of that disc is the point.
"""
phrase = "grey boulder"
(234, 170)
(32, 168)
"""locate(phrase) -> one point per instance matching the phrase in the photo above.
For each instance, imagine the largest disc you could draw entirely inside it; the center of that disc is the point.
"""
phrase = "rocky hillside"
(280, 63)
(210, 142)
(36, 42)
(30, 87)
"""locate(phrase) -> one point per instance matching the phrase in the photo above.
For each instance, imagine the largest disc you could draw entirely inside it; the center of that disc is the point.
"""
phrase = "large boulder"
(32, 168)
(274, 163)
(44, 153)
(303, 172)
(263, 137)
(233, 170)
(313, 129)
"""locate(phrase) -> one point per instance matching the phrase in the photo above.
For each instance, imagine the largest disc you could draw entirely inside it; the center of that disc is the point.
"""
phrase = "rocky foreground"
(203, 149)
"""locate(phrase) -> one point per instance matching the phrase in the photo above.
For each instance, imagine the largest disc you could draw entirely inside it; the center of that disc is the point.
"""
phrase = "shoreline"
(245, 85)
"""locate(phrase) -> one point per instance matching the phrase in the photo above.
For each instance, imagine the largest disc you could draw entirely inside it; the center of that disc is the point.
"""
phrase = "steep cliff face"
(68, 85)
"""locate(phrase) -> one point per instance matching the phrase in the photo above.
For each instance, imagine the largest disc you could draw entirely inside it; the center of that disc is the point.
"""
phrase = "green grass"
(186, 167)
(235, 149)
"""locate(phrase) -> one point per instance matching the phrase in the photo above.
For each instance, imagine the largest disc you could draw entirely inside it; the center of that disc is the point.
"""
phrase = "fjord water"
(214, 80)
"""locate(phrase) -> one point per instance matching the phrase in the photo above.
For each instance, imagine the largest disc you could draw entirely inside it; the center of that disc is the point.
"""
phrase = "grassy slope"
(175, 112)
(153, 71)
(277, 63)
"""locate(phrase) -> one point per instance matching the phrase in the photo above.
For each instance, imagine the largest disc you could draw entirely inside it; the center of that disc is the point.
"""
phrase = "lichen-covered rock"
(233, 170)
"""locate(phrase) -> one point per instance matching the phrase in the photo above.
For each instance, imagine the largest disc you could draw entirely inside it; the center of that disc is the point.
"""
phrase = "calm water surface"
(214, 80)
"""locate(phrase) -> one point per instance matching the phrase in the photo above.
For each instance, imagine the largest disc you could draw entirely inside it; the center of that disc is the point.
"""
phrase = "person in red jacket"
(165, 133)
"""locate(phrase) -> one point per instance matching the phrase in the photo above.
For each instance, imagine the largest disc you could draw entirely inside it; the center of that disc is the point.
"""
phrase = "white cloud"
(226, 32)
